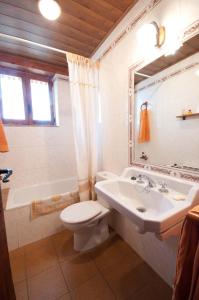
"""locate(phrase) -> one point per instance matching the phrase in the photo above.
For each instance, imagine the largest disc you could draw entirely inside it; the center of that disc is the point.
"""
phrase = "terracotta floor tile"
(48, 285)
(78, 270)
(39, 257)
(21, 291)
(146, 293)
(113, 251)
(17, 264)
(63, 243)
(124, 248)
(109, 253)
(111, 271)
(151, 292)
(36, 245)
(163, 290)
(94, 289)
(123, 277)
(16, 252)
(65, 297)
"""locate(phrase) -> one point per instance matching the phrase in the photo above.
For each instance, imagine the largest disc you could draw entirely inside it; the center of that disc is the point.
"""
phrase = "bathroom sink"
(150, 209)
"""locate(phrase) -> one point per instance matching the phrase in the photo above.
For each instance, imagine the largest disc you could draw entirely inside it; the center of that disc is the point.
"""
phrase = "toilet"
(88, 220)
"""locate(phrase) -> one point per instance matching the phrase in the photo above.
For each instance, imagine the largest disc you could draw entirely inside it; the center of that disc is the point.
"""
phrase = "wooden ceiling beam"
(114, 26)
(26, 49)
(85, 14)
(81, 28)
(17, 10)
(69, 8)
(109, 5)
(122, 5)
(38, 39)
(45, 33)
(32, 64)
(101, 8)
(59, 31)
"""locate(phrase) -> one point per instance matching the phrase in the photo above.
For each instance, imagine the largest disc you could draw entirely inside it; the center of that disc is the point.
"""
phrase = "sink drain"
(141, 209)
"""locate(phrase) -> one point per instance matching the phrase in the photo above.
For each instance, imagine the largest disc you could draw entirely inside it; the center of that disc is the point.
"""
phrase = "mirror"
(166, 110)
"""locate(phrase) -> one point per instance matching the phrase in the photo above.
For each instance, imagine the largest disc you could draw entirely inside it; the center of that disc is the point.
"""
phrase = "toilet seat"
(81, 212)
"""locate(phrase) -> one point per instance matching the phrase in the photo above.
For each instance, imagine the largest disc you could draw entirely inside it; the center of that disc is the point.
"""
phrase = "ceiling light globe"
(49, 9)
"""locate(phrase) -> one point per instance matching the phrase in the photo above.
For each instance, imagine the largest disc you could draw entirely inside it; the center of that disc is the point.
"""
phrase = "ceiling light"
(50, 9)
(151, 35)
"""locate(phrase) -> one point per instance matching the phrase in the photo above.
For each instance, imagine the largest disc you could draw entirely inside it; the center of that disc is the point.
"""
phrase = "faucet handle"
(163, 184)
(140, 178)
(163, 187)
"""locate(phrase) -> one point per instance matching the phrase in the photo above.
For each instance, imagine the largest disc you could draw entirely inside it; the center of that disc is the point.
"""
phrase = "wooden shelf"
(183, 117)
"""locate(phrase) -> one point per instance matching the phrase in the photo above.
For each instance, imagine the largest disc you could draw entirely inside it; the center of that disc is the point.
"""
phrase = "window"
(26, 98)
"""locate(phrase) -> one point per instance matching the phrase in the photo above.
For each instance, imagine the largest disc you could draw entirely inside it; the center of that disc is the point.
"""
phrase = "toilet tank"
(104, 175)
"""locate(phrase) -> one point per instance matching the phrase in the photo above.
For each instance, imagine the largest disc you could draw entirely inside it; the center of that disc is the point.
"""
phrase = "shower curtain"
(83, 77)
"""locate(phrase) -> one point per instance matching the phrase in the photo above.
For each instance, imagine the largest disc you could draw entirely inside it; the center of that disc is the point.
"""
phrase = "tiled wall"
(42, 154)
(21, 230)
(114, 96)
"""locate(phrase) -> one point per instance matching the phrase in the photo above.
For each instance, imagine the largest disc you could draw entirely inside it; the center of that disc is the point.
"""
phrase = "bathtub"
(24, 196)
(21, 230)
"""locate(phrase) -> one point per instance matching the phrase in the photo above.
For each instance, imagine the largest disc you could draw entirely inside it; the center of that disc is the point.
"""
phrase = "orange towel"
(144, 132)
(3, 140)
(186, 285)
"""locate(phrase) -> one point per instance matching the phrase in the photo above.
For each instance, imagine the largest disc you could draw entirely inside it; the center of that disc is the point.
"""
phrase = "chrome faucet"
(151, 182)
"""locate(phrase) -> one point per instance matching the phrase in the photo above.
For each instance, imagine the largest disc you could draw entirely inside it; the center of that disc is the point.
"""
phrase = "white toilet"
(88, 220)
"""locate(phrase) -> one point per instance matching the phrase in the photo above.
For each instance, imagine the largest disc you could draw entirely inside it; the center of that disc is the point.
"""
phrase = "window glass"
(41, 110)
(12, 97)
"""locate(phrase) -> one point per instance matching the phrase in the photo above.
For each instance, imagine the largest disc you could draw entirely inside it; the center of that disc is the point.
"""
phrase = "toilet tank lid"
(80, 212)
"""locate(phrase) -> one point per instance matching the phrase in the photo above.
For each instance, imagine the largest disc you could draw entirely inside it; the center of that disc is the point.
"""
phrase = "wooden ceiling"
(81, 28)
(189, 48)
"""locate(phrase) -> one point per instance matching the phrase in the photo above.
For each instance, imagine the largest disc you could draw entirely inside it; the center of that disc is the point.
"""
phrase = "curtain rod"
(33, 43)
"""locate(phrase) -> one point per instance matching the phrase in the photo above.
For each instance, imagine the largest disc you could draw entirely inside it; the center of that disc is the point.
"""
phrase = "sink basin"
(149, 209)
(135, 197)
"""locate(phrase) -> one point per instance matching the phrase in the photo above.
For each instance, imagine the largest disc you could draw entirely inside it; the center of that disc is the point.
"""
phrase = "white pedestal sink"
(147, 207)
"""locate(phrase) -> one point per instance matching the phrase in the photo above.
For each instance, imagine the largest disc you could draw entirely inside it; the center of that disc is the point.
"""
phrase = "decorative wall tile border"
(188, 32)
(132, 24)
(168, 172)
(191, 30)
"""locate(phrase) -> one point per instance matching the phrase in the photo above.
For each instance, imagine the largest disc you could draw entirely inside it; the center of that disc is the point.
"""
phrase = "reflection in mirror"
(167, 110)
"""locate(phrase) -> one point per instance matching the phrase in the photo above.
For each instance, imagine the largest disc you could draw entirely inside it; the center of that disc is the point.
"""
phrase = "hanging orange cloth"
(144, 132)
(3, 140)
(186, 285)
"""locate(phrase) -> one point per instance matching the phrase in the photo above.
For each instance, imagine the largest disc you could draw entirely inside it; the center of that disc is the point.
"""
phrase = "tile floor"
(51, 270)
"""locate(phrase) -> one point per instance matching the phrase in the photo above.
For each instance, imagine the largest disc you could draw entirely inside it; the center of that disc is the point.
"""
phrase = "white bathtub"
(24, 196)
(21, 230)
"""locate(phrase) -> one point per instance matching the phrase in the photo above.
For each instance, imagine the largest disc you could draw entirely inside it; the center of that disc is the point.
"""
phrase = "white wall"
(114, 95)
(42, 154)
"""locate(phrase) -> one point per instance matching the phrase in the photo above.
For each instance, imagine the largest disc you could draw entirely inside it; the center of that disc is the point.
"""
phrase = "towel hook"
(146, 104)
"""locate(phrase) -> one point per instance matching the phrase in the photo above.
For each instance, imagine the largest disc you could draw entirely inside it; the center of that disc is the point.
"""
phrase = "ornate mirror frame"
(188, 33)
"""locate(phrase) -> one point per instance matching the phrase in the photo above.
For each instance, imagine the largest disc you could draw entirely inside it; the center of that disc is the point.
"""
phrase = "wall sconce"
(151, 35)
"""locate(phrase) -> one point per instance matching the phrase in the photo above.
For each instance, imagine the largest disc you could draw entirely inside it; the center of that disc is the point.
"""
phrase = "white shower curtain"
(83, 76)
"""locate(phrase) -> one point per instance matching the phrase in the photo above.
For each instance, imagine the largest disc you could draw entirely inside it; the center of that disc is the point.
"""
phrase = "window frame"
(26, 76)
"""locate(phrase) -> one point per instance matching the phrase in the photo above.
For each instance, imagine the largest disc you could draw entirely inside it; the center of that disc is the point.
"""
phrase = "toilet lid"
(80, 212)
